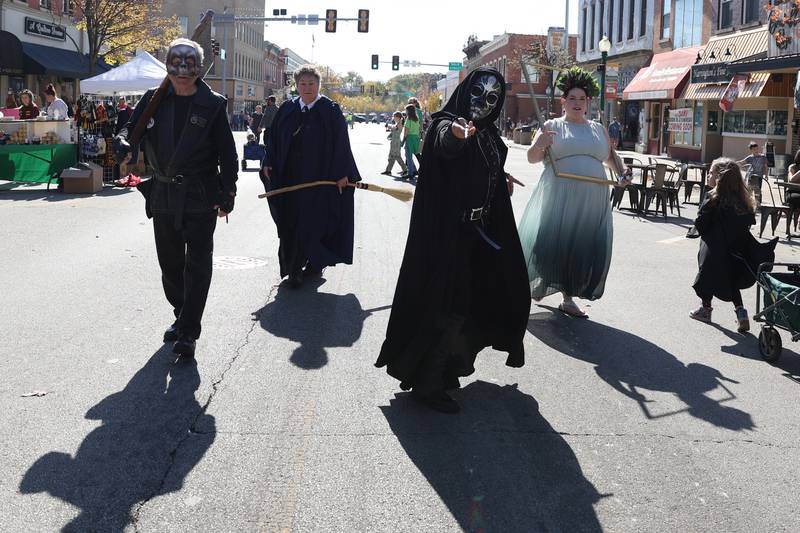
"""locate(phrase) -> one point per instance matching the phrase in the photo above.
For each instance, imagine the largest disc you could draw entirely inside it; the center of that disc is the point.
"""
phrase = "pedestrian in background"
(411, 137)
(726, 245)
(615, 133)
(28, 109)
(269, 115)
(395, 132)
(255, 122)
(793, 197)
(56, 107)
(758, 169)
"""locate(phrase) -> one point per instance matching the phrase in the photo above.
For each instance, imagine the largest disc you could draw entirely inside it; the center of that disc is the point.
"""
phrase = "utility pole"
(225, 61)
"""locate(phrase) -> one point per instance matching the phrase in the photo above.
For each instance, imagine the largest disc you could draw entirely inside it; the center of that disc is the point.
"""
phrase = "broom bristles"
(403, 195)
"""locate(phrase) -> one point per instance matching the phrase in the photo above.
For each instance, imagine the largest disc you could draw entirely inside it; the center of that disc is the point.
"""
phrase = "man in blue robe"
(309, 142)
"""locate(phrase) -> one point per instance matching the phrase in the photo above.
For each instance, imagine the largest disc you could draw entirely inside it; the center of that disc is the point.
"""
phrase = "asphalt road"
(638, 419)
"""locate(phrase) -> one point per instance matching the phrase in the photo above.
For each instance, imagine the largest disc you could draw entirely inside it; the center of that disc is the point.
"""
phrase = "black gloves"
(226, 202)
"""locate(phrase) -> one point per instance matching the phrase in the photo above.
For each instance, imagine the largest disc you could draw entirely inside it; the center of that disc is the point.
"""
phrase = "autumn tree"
(549, 63)
(116, 28)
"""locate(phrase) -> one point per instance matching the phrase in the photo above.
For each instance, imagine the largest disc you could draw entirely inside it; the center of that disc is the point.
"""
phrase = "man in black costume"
(309, 142)
(190, 147)
(463, 283)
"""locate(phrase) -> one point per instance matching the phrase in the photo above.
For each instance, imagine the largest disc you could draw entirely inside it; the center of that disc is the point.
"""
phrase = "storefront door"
(664, 129)
(654, 128)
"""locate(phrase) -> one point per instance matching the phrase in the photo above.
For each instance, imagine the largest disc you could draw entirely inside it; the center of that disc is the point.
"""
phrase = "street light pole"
(604, 46)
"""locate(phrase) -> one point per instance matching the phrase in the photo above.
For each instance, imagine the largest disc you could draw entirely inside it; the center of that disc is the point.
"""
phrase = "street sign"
(313, 20)
(222, 54)
(406, 63)
(455, 66)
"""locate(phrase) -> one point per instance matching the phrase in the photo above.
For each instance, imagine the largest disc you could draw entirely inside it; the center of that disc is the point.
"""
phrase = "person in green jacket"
(411, 140)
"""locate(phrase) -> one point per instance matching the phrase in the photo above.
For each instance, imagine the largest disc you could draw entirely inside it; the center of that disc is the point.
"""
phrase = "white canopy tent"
(134, 77)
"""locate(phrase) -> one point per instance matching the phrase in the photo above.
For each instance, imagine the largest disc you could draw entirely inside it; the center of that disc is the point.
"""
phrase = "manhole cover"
(232, 262)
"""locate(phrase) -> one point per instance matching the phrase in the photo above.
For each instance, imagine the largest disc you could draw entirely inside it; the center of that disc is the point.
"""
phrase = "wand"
(403, 195)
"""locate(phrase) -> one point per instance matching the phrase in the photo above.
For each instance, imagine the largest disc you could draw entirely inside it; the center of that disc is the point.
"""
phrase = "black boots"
(184, 346)
(438, 401)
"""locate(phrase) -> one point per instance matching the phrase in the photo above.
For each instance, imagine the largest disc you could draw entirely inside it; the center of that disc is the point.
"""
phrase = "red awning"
(660, 80)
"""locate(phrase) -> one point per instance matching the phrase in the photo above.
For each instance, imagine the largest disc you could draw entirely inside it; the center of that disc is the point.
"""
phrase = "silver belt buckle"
(476, 214)
(178, 179)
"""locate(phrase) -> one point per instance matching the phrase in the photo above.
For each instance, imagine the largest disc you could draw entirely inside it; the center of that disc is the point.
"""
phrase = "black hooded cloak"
(456, 293)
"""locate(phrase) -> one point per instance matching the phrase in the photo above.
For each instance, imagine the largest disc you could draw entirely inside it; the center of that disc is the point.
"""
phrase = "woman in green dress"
(566, 231)
(411, 140)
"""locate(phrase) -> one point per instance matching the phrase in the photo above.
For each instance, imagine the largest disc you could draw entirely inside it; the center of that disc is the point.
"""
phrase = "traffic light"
(395, 62)
(278, 12)
(374, 61)
(215, 47)
(363, 21)
(330, 21)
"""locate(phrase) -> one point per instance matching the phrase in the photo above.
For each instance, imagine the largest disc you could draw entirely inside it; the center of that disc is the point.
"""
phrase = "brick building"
(274, 69)
(502, 53)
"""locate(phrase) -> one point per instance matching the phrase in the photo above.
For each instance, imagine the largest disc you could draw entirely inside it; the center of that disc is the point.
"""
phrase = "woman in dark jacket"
(28, 109)
(728, 252)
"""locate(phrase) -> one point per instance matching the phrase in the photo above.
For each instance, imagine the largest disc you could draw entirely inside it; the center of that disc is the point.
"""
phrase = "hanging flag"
(736, 86)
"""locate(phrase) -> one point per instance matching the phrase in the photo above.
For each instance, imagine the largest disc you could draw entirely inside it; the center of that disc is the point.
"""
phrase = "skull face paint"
(182, 61)
(484, 94)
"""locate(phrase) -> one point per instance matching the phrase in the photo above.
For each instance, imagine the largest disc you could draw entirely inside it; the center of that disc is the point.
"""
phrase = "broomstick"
(400, 194)
(589, 179)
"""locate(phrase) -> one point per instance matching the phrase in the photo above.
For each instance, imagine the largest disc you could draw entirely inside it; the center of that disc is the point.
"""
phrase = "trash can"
(526, 135)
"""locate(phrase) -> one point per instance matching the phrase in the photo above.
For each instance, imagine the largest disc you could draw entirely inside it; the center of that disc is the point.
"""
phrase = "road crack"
(192, 429)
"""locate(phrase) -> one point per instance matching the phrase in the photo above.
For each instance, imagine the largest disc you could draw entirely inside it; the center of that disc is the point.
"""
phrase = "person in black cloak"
(309, 142)
(463, 283)
(729, 254)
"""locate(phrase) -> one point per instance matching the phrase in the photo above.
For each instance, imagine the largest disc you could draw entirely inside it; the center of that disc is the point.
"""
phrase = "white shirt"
(57, 109)
(309, 106)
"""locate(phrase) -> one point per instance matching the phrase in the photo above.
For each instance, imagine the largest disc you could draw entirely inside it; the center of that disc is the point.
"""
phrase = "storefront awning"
(662, 78)
(714, 91)
(789, 61)
(10, 54)
(41, 59)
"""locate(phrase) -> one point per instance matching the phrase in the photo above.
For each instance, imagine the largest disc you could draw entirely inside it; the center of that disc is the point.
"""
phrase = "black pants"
(186, 260)
(736, 298)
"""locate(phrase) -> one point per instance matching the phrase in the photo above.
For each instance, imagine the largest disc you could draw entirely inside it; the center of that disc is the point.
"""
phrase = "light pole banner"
(680, 120)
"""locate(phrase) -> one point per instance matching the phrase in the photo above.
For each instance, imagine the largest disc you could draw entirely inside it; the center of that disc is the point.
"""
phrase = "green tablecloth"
(35, 162)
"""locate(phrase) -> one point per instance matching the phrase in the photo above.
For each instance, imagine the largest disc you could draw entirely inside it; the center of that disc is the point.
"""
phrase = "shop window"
(642, 17)
(697, 130)
(533, 74)
(631, 15)
(611, 20)
(601, 19)
(725, 13)
(695, 136)
(750, 11)
(583, 35)
(713, 121)
(666, 6)
(756, 122)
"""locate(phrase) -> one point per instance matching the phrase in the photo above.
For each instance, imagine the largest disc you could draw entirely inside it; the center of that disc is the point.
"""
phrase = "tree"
(116, 28)
(550, 63)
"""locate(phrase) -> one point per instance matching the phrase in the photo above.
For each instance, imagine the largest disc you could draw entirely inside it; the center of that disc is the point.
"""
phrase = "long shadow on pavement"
(498, 465)
(132, 456)
(316, 320)
(29, 194)
(631, 364)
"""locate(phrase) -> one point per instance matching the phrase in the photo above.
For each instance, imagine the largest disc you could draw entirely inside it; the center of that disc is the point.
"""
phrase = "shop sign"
(680, 120)
(732, 92)
(711, 73)
(44, 29)
(556, 39)
(611, 90)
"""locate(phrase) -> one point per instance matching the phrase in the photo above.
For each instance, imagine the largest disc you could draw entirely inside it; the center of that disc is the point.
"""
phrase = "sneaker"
(702, 313)
(386, 173)
(741, 318)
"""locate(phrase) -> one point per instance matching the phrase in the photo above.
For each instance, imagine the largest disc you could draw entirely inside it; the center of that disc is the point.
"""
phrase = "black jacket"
(205, 153)
(729, 255)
